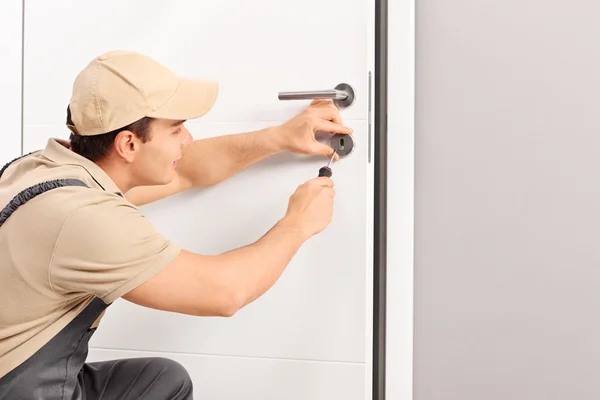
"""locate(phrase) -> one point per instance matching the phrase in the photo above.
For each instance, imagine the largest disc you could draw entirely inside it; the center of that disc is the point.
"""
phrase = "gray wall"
(507, 273)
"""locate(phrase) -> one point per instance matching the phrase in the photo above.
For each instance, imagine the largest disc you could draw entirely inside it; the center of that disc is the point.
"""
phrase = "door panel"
(320, 309)
(10, 79)
(238, 378)
(253, 49)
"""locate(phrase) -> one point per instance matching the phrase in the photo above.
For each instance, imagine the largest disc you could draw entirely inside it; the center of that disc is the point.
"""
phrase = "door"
(310, 336)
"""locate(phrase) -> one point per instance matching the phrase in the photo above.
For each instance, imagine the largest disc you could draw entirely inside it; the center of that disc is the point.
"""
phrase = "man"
(72, 240)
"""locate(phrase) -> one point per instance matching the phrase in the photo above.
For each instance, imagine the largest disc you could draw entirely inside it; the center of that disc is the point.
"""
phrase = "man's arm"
(209, 161)
(221, 285)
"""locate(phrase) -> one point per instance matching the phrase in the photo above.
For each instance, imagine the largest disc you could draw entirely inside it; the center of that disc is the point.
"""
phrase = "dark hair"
(97, 147)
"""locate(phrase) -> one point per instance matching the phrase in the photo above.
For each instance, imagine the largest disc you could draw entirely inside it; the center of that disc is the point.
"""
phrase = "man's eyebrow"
(176, 123)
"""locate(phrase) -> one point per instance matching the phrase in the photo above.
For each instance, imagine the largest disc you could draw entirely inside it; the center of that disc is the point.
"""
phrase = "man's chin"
(159, 182)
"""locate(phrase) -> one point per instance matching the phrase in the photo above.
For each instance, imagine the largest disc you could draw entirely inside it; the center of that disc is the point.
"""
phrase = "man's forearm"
(251, 270)
(223, 284)
(209, 161)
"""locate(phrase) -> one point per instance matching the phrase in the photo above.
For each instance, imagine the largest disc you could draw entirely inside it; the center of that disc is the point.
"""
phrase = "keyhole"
(341, 144)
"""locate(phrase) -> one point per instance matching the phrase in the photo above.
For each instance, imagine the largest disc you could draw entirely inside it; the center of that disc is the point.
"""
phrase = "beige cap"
(121, 87)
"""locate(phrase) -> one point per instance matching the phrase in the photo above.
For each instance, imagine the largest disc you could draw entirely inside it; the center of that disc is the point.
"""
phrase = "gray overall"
(58, 370)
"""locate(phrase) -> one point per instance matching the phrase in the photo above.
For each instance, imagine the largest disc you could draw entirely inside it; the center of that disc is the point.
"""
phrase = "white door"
(310, 336)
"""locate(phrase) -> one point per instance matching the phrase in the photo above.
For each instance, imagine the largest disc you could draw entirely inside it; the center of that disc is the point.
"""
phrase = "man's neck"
(118, 173)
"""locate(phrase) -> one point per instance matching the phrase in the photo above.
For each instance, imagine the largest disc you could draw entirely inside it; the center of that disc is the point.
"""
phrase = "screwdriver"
(326, 171)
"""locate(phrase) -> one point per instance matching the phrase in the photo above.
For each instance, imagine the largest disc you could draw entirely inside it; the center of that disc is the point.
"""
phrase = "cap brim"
(192, 99)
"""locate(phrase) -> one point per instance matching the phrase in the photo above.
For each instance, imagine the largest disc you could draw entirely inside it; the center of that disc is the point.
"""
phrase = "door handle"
(342, 95)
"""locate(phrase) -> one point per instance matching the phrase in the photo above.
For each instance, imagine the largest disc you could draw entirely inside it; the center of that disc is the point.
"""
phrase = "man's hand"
(310, 208)
(297, 135)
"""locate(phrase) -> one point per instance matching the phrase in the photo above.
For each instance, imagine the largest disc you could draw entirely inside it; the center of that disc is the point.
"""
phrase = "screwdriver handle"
(325, 171)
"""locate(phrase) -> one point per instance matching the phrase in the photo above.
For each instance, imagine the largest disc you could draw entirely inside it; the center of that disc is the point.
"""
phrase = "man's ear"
(126, 145)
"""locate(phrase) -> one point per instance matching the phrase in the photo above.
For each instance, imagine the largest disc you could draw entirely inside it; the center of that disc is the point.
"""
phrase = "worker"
(73, 240)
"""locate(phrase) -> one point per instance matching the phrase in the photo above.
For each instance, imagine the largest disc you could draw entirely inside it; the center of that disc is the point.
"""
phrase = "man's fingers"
(328, 111)
(321, 101)
(323, 181)
(328, 126)
(322, 150)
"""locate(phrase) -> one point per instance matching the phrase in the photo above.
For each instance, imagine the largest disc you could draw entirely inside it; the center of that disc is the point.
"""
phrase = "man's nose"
(187, 137)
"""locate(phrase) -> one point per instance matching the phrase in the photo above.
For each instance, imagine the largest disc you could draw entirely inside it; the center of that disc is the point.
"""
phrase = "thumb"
(319, 101)
(324, 150)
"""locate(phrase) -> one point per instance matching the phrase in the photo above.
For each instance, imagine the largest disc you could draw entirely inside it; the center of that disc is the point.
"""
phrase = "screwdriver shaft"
(331, 159)
(326, 171)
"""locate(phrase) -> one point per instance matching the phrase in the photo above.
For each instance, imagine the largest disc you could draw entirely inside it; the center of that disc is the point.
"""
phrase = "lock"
(344, 144)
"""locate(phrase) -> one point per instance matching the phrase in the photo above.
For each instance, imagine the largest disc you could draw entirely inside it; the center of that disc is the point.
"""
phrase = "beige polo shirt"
(65, 247)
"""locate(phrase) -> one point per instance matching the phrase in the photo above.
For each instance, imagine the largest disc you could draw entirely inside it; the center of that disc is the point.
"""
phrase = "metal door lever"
(342, 96)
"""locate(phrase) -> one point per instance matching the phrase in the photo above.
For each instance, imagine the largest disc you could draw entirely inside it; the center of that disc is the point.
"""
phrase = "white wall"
(10, 79)
(507, 211)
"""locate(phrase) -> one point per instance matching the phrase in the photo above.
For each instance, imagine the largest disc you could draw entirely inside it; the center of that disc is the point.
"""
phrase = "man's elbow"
(229, 305)
(228, 312)
(204, 181)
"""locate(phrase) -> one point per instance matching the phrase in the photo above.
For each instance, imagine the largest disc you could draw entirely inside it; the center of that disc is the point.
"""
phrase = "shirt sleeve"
(107, 248)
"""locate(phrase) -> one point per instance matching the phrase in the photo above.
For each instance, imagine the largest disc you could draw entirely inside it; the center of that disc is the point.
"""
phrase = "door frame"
(380, 200)
(393, 227)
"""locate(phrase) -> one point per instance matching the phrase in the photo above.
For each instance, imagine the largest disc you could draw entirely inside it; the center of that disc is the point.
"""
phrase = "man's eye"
(177, 131)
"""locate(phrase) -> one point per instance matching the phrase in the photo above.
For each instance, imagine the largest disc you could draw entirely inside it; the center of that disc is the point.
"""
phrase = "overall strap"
(52, 371)
(33, 191)
(10, 162)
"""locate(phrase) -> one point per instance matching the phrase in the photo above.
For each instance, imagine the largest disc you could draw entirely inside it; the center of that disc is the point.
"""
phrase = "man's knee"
(175, 376)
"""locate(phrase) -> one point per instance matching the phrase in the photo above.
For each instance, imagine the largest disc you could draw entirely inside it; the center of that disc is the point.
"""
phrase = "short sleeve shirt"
(65, 247)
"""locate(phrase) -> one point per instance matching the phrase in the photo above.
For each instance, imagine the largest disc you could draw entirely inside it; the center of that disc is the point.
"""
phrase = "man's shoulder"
(78, 198)
(54, 201)
(34, 178)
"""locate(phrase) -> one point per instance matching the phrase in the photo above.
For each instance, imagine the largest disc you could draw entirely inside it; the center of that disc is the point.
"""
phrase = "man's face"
(157, 159)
